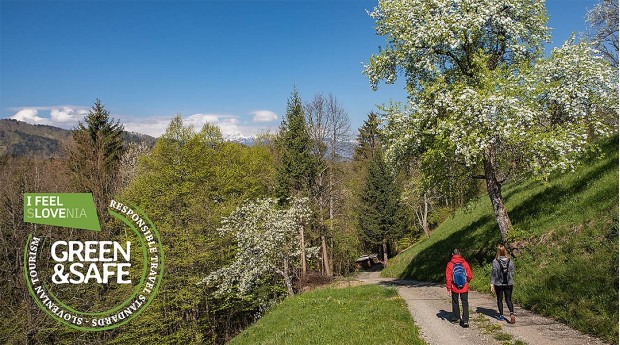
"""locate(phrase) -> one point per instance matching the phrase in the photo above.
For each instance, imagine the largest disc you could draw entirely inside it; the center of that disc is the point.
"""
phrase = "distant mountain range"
(18, 138)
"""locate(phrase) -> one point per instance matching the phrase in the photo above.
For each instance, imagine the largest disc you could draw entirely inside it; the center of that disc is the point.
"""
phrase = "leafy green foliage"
(186, 185)
(566, 240)
(347, 240)
(365, 314)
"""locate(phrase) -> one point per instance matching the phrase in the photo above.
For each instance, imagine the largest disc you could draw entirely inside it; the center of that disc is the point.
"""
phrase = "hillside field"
(566, 235)
(367, 314)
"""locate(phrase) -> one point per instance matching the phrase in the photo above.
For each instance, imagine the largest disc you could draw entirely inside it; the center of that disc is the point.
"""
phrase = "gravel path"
(431, 309)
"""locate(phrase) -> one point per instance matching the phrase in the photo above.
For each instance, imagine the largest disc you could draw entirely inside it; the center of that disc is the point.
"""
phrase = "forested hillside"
(19, 138)
(23, 139)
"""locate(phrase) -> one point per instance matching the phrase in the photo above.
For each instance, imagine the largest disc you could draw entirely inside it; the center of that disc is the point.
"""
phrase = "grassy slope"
(568, 268)
(367, 314)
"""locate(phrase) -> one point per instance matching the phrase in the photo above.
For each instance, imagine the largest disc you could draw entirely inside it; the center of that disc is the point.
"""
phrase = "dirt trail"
(431, 309)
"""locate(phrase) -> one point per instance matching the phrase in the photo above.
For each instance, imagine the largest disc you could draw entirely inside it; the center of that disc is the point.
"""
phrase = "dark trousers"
(455, 306)
(504, 291)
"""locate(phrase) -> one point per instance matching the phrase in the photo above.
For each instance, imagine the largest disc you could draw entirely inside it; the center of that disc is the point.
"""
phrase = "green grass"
(568, 230)
(367, 314)
(503, 337)
(489, 327)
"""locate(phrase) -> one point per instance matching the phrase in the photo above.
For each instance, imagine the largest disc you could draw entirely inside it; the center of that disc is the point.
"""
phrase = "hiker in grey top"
(502, 282)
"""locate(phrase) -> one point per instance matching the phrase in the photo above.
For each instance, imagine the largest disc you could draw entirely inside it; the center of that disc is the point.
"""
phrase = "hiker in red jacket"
(458, 276)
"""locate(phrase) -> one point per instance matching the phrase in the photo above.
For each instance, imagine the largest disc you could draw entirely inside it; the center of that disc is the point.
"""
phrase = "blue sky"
(226, 62)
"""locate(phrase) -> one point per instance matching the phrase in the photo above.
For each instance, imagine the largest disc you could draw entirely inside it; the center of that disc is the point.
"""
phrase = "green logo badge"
(71, 210)
(62, 270)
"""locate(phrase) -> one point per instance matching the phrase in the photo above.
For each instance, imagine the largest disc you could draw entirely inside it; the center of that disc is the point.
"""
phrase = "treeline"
(242, 226)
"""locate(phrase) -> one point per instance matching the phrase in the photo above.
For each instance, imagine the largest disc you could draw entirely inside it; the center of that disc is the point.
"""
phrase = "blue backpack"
(459, 277)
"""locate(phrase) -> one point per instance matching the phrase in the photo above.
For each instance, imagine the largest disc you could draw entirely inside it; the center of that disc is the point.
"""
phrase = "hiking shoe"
(512, 318)
(465, 324)
(500, 318)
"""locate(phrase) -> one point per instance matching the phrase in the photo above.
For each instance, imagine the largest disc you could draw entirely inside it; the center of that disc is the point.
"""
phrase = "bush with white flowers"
(267, 237)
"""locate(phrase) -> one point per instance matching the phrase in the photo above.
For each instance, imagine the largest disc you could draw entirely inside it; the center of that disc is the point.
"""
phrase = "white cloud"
(231, 126)
(199, 120)
(156, 126)
(60, 116)
(152, 126)
(67, 114)
(228, 124)
(264, 116)
(31, 116)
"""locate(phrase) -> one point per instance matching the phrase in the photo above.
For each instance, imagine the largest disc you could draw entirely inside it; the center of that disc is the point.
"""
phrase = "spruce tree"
(381, 217)
(368, 139)
(93, 158)
(296, 168)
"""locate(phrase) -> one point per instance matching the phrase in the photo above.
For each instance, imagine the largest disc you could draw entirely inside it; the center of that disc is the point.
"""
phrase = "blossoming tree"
(482, 93)
(268, 244)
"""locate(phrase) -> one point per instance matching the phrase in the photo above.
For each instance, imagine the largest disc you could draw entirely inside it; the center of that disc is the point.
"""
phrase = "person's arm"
(468, 272)
(449, 278)
(494, 269)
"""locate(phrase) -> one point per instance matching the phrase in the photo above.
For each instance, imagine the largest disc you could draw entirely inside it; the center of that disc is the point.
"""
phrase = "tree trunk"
(302, 246)
(385, 253)
(322, 228)
(331, 213)
(287, 278)
(494, 189)
(326, 266)
(425, 217)
(421, 212)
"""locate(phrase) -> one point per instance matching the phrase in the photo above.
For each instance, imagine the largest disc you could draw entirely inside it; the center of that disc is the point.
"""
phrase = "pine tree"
(381, 217)
(93, 158)
(368, 139)
(296, 167)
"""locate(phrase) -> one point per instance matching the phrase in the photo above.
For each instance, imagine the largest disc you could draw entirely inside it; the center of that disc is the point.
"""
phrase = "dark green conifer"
(95, 153)
(381, 216)
(296, 166)
(368, 139)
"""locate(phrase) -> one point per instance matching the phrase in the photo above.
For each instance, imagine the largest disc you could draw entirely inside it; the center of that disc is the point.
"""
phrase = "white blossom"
(478, 81)
(268, 243)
